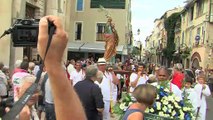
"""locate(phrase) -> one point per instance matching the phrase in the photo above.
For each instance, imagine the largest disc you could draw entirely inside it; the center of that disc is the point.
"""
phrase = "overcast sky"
(144, 12)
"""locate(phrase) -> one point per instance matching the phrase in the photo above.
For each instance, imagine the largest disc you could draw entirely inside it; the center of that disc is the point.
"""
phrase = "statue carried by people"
(110, 36)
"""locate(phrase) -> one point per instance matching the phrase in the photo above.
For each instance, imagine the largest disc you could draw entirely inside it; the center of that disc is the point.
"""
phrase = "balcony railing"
(115, 4)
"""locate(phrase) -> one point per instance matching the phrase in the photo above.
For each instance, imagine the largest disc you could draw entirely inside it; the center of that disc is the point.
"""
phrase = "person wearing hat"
(108, 86)
(178, 75)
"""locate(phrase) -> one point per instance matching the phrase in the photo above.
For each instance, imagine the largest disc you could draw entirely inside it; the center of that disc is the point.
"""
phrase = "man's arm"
(67, 103)
(134, 80)
(25, 113)
(100, 110)
(98, 97)
(115, 80)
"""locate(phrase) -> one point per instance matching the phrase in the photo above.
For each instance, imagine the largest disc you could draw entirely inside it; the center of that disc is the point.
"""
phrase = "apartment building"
(157, 41)
(10, 10)
(87, 24)
(195, 33)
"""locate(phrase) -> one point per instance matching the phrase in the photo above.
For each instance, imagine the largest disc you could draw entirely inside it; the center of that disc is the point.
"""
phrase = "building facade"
(87, 24)
(10, 10)
(157, 41)
(195, 35)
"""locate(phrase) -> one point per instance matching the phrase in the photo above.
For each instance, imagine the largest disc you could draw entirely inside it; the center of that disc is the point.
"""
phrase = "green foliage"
(135, 51)
(117, 109)
(170, 24)
(186, 53)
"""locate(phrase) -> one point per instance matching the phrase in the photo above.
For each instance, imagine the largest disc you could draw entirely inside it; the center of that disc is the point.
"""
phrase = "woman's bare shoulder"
(136, 116)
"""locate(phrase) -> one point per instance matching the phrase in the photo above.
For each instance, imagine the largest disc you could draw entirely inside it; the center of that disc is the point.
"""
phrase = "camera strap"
(18, 106)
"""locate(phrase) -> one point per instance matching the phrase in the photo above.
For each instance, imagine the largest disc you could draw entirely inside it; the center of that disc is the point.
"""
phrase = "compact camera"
(25, 32)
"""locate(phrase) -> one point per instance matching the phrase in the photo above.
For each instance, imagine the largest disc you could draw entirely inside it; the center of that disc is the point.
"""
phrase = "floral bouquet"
(120, 108)
(166, 107)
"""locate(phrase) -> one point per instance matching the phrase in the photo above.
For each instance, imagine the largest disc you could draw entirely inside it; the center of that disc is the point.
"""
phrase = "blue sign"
(197, 38)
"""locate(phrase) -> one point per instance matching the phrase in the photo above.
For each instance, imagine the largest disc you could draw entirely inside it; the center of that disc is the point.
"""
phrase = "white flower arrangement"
(167, 106)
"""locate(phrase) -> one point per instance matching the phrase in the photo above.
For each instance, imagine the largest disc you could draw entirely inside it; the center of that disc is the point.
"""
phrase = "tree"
(170, 24)
(135, 51)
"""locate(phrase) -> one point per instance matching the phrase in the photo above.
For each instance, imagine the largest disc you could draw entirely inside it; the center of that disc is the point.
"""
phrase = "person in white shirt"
(78, 74)
(190, 93)
(138, 77)
(202, 91)
(107, 86)
(162, 76)
(71, 67)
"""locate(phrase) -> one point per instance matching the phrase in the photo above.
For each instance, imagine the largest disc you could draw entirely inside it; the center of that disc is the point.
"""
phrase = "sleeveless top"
(129, 112)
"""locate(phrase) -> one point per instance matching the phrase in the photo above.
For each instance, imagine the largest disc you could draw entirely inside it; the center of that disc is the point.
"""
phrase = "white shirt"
(3, 84)
(70, 68)
(192, 96)
(142, 80)
(77, 76)
(48, 92)
(108, 89)
(175, 89)
(205, 92)
(119, 76)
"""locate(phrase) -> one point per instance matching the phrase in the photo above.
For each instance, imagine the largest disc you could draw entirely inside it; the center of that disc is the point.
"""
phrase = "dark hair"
(188, 79)
(78, 62)
(24, 65)
(108, 66)
(141, 64)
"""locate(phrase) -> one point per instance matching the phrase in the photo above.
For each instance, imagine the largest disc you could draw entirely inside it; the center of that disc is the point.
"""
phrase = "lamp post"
(139, 42)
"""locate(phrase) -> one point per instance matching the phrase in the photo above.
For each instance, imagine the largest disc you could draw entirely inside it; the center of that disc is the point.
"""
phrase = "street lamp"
(139, 31)
(139, 42)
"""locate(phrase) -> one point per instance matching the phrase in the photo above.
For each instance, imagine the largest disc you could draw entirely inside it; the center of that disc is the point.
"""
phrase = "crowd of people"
(89, 90)
(99, 85)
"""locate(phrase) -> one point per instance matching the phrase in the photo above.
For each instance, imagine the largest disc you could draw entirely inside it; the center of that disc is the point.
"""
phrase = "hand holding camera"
(58, 44)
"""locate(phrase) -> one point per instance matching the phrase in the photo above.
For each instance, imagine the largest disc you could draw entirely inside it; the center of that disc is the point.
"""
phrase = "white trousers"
(106, 113)
(202, 113)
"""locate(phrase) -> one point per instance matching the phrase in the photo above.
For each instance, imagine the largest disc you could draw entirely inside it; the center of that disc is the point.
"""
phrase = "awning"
(98, 47)
(74, 46)
(93, 47)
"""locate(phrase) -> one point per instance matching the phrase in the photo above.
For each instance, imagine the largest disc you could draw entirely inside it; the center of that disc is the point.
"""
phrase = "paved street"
(210, 108)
